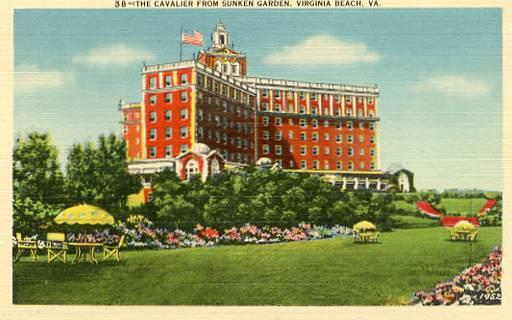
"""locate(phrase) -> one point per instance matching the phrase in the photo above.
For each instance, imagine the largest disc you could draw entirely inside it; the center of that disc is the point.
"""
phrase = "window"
(326, 123)
(152, 116)
(327, 151)
(326, 164)
(183, 113)
(184, 78)
(168, 151)
(303, 136)
(279, 150)
(350, 151)
(183, 148)
(372, 126)
(264, 106)
(277, 108)
(266, 135)
(277, 121)
(200, 132)
(339, 165)
(372, 152)
(265, 93)
(291, 148)
(290, 122)
(361, 165)
(168, 133)
(277, 94)
(349, 112)
(315, 164)
(302, 95)
(350, 166)
(372, 165)
(168, 81)
(152, 152)
(184, 132)
(289, 94)
(265, 121)
(314, 123)
(314, 136)
(370, 113)
(359, 99)
(303, 150)
(370, 100)
(339, 138)
(152, 83)
(327, 136)
(350, 125)
(339, 151)
(200, 114)
(290, 108)
(315, 150)
(359, 112)
(338, 98)
(361, 152)
(302, 123)
(372, 139)
(234, 69)
(290, 134)
(266, 149)
(168, 97)
(184, 96)
(338, 125)
(348, 99)
(303, 164)
(302, 110)
(314, 111)
(152, 99)
(152, 134)
(361, 125)
(361, 138)
(217, 136)
(279, 136)
(215, 166)
(337, 112)
(292, 164)
(313, 96)
(350, 138)
(225, 138)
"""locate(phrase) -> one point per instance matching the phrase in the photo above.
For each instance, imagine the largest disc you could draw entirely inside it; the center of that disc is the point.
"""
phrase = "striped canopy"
(84, 214)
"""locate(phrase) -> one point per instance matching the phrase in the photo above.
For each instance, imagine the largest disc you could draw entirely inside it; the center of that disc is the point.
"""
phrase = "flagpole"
(181, 42)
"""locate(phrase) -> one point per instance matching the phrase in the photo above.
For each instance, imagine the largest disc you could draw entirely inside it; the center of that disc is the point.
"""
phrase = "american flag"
(192, 37)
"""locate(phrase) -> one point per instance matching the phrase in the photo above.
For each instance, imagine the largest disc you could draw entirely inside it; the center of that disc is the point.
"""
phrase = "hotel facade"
(210, 106)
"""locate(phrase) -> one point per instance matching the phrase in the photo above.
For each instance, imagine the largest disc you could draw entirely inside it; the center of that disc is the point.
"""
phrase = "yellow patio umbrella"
(84, 214)
(364, 225)
(464, 225)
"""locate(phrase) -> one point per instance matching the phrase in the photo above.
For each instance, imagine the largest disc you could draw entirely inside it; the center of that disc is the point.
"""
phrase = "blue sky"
(439, 72)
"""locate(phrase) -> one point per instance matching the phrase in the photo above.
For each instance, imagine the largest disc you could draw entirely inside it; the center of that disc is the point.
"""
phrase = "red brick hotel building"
(209, 106)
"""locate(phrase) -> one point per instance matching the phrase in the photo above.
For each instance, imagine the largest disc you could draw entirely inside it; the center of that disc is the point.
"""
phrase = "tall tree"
(36, 171)
(99, 174)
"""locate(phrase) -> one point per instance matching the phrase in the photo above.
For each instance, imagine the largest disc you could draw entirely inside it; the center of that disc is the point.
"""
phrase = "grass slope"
(325, 272)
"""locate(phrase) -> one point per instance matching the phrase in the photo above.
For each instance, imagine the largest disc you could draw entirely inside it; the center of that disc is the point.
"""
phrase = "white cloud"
(453, 85)
(116, 54)
(323, 50)
(30, 78)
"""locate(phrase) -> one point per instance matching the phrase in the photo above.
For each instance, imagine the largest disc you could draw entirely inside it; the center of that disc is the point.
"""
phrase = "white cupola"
(220, 37)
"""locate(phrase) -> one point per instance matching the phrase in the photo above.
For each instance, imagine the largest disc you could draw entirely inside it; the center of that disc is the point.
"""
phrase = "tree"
(36, 170)
(98, 175)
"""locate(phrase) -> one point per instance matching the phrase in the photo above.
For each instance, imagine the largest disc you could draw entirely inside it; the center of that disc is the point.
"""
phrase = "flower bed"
(141, 233)
(480, 284)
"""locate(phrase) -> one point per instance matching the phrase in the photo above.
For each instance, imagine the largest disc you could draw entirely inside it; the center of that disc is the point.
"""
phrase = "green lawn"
(462, 206)
(407, 222)
(324, 272)
(452, 205)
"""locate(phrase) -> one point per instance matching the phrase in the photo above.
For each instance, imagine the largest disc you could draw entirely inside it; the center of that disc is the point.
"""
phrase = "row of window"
(168, 115)
(315, 137)
(168, 81)
(153, 98)
(225, 139)
(315, 110)
(265, 93)
(315, 164)
(278, 150)
(228, 123)
(168, 150)
(303, 123)
(168, 133)
(219, 87)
